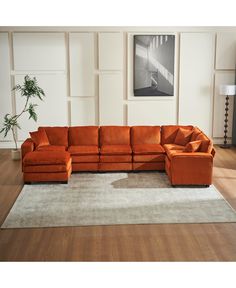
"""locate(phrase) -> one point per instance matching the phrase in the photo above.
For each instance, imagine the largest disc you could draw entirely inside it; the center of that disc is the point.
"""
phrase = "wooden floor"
(175, 242)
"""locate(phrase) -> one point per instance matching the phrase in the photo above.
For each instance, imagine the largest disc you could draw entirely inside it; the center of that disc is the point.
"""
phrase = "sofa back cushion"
(193, 146)
(114, 135)
(206, 145)
(56, 135)
(83, 135)
(145, 135)
(39, 138)
(196, 132)
(169, 132)
(183, 136)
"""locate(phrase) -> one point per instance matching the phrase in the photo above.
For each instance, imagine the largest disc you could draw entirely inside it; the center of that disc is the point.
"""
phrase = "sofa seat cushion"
(47, 168)
(148, 149)
(115, 150)
(173, 147)
(85, 158)
(171, 153)
(116, 158)
(46, 158)
(51, 148)
(149, 158)
(83, 150)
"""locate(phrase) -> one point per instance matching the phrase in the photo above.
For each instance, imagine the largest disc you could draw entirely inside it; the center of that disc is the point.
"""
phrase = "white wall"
(87, 74)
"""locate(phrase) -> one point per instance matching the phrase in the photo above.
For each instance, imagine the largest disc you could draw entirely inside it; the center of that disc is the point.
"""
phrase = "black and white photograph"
(154, 57)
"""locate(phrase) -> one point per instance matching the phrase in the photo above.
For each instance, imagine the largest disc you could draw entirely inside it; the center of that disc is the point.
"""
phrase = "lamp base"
(225, 146)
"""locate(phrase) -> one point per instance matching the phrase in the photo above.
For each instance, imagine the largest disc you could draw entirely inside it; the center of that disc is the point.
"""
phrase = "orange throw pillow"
(40, 138)
(183, 136)
(193, 146)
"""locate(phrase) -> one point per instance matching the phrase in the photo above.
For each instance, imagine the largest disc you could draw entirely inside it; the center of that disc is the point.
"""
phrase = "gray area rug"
(116, 198)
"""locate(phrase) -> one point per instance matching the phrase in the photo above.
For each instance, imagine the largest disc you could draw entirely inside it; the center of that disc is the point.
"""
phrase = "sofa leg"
(27, 183)
(173, 186)
(64, 182)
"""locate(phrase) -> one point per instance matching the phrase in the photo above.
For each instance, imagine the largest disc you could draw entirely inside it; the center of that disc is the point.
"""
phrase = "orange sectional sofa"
(184, 152)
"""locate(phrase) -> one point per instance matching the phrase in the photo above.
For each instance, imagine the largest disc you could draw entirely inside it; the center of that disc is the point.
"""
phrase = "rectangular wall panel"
(226, 50)
(110, 51)
(152, 113)
(82, 64)
(219, 104)
(83, 111)
(195, 80)
(5, 82)
(111, 99)
(39, 51)
(52, 111)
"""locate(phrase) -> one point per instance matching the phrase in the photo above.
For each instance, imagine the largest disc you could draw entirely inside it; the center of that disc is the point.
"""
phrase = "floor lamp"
(226, 90)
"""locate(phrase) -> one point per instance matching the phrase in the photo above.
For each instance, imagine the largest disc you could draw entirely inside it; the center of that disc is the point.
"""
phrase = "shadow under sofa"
(184, 152)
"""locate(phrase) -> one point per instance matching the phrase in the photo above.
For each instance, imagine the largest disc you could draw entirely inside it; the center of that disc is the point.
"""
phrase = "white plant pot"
(16, 154)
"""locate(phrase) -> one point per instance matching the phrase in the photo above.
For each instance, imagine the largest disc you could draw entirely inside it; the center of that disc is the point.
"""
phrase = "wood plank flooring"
(172, 242)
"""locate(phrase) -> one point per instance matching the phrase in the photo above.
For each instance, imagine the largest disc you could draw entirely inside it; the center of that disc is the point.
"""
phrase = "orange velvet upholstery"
(83, 150)
(196, 131)
(193, 146)
(149, 158)
(41, 166)
(145, 135)
(83, 136)
(115, 149)
(145, 166)
(206, 145)
(26, 147)
(47, 177)
(172, 148)
(85, 158)
(148, 154)
(56, 135)
(116, 159)
(114, 135)
(148, 149)
(51, 148)
(87, 167)
(115, 166)
(190, 168)
(39, 138)
(169, 132)
(183, 136)
(46, 158)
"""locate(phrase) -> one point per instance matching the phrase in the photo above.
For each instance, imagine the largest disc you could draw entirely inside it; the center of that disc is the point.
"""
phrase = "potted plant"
(29, 90)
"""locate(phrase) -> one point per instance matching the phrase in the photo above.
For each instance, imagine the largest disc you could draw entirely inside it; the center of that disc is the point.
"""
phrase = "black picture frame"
(154, 65)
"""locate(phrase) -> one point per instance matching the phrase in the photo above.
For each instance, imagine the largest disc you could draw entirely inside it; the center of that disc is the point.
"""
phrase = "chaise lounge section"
(184, 152)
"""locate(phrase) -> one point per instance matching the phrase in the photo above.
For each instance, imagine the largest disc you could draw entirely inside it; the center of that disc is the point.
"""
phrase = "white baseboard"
(9, 145)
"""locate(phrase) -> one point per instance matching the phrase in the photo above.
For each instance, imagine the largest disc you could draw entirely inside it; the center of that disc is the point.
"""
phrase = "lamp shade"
(228, 90)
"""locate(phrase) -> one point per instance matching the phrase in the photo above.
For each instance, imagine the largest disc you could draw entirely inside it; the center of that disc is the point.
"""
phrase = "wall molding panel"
(196, 80)
(86, 73)
(82, 62)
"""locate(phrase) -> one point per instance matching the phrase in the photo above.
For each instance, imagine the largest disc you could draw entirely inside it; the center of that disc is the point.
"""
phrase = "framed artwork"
(154, 61)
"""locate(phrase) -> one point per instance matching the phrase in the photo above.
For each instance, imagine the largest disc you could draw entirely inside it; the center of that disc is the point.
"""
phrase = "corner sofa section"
(120, 148)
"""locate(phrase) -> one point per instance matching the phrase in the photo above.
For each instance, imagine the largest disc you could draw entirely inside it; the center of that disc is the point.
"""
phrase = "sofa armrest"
(26, 147)
(192, 155)
(191, 168)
